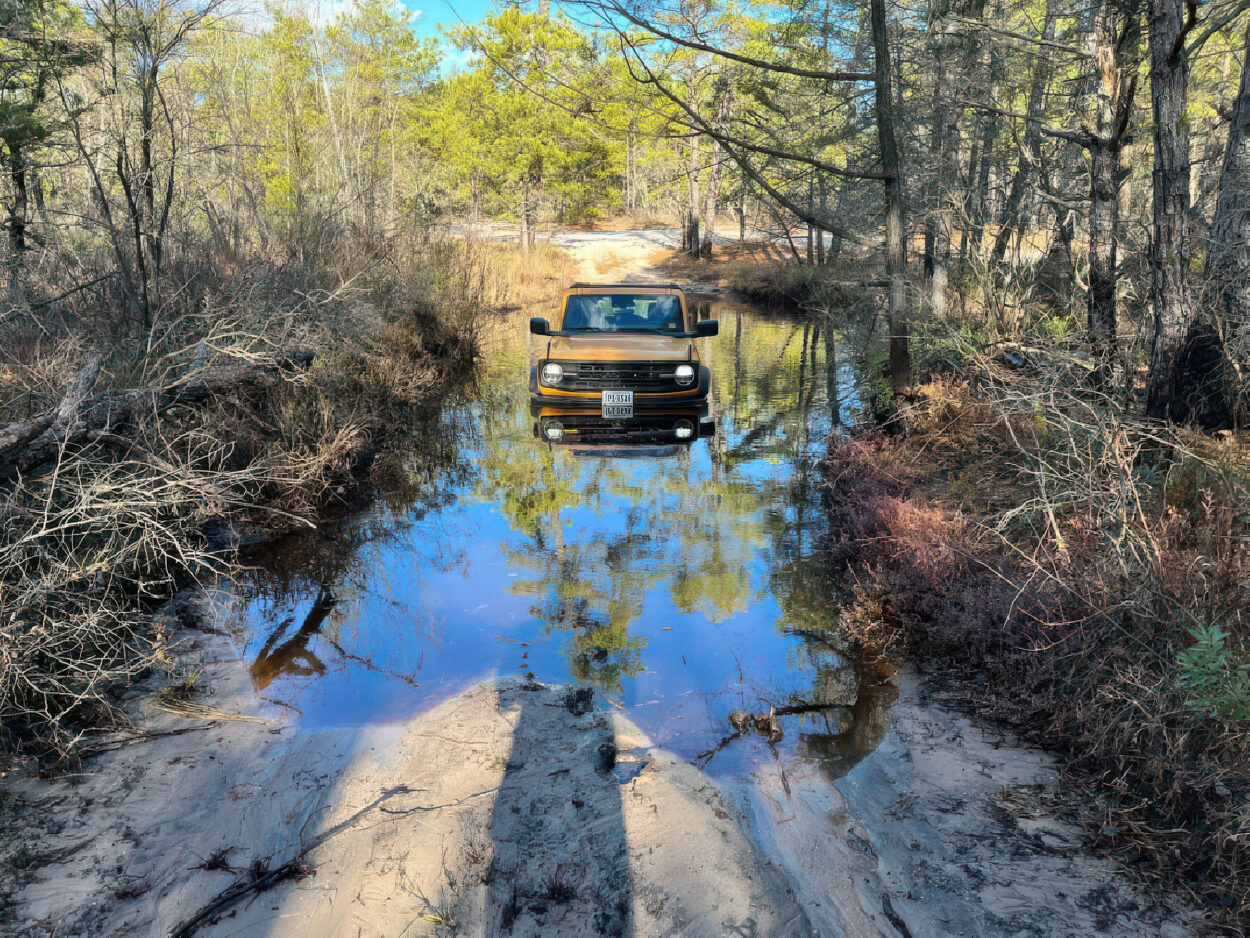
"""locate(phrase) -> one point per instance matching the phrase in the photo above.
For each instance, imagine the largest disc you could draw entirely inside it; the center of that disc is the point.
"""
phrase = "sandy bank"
(517, 808)
(946, 828)
(503, 809)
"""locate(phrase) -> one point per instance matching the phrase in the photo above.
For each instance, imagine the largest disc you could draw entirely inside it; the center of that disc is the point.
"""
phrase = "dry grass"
(1020, 530)
(485, 275)
(773, 284)
(625, 221)
(93, 541)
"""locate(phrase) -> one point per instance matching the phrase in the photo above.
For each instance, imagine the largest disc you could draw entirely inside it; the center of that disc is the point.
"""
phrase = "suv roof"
(626, 287)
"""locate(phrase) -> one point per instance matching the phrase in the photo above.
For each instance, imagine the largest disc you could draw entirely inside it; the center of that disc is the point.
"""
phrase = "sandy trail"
(510, 809)
(945, 829)
(500, 812)
(507, 809)
(624, 256)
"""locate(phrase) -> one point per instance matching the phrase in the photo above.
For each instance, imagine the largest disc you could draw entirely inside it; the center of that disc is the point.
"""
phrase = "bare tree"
(895, 247)
(140, 38)
(1228, 253)
(1170, 23)
(1116, 59)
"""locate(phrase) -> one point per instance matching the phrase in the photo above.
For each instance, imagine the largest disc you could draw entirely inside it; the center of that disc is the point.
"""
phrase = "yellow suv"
(621, 348)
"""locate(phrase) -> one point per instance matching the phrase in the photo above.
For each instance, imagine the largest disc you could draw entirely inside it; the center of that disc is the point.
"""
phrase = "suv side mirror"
(706, 327)
(539, 326)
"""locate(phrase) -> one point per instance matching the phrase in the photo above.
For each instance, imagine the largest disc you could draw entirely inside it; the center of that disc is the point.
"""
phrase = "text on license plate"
(618, 403)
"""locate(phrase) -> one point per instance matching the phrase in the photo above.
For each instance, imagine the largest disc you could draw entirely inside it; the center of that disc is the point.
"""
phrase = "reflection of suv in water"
(622, 349)
(587, 428)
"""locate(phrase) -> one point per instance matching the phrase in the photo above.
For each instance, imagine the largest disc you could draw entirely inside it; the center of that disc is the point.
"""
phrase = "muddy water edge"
(417, 759)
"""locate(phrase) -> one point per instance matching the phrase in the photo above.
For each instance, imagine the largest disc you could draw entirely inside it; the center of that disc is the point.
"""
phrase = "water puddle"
(685, 582)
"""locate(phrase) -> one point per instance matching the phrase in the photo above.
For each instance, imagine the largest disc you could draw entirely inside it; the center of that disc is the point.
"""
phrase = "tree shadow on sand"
(560, 857)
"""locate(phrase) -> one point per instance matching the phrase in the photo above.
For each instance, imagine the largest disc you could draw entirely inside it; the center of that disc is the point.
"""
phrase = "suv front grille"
(654, 377)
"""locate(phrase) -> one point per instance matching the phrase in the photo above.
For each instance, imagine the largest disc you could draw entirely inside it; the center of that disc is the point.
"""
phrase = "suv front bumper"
(540, 395)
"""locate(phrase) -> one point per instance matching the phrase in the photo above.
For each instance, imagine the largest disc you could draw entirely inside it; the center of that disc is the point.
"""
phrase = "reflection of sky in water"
(685, 583)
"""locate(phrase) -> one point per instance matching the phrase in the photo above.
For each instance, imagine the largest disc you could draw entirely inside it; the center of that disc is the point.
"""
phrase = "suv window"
(623, 312)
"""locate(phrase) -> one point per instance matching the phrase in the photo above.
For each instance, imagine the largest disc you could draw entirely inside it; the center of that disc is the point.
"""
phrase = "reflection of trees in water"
(292, 656)
(839, 737)
(599, 651)
(656, 521)
(334, 564)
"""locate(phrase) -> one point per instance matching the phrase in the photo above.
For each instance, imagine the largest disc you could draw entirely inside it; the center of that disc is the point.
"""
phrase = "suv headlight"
(552, 374)
(684, 374)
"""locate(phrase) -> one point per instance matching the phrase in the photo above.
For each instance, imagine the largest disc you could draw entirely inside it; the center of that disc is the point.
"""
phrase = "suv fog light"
(684, 374)
(553, 430)
(552, 373)
(683, 429)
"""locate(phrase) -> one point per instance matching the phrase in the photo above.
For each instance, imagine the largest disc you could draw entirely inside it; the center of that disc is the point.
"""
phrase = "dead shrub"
(1039, 536)
(90, 544)
(803, 285)
(84, 553)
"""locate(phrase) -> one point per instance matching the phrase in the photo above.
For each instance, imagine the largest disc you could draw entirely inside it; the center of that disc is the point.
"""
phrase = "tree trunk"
(835, 243)
(690, 232)
(742, 210)
(18, 210)
(713, 175)
(895, 248)
(1228, 254)
(631, 195)
(822, 197)
(970, 200)
(945, 142)
(1228, 257)
(1065, 233)
(926, 256)
(1173, 305)
(811, 210)
(1115, 60)
(525, 221)
(1103, 228)
(983, 210)
(531, 223)
(690, 238)
(1015, 215)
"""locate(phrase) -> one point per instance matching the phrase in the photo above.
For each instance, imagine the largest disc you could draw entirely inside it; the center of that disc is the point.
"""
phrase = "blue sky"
(434, 12)
(428, 14)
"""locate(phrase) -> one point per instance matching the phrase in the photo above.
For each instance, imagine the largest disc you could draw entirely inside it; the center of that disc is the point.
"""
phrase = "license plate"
(618, 404)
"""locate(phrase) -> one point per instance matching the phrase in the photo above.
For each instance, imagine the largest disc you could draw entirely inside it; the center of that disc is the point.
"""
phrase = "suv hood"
(621, 347)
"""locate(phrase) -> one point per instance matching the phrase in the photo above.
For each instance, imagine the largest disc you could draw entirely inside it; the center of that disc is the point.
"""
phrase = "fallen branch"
(28, 445)
(295, 868)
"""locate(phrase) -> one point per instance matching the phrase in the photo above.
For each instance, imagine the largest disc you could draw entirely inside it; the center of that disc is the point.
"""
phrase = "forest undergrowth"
(135, 459)
(1084, 573)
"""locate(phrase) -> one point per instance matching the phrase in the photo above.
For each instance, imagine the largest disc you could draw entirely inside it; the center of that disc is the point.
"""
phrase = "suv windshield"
(623, 312)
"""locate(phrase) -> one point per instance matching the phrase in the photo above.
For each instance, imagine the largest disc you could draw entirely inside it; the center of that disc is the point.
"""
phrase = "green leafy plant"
(1055, 328)
(182, 691)
(1216, 675)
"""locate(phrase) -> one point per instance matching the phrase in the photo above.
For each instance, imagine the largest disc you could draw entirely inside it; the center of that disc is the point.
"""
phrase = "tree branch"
(1080, 138)
(724, 53)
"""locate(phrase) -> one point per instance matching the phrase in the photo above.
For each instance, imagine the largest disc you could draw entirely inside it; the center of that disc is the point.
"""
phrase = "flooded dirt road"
(420, 760)
(682, 582)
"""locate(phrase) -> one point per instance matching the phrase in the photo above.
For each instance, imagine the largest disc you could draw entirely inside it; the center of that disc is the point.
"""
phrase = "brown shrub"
(87, 550)
(1064, 552)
